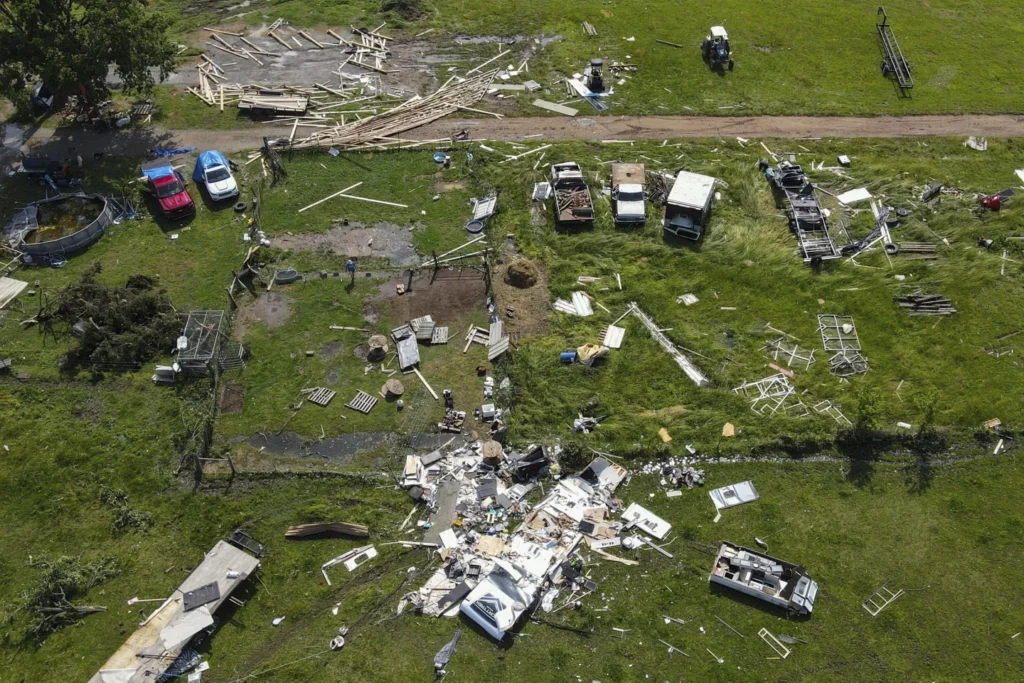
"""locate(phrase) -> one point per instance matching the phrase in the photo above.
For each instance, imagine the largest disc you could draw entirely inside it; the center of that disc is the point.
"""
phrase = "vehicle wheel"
(240, 207)
(731, 63)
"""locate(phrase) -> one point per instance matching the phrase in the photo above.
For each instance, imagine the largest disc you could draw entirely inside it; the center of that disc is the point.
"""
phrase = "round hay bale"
(393, 388)
(521, 273)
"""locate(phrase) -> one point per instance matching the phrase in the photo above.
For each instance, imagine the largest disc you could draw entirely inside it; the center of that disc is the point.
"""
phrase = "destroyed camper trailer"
(807, 219)
(775, 581)
(688, 206)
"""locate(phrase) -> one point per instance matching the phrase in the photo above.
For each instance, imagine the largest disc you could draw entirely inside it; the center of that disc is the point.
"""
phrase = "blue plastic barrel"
(567, 356)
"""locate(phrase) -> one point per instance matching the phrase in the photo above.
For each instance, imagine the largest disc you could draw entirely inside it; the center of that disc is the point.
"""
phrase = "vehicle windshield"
(631, 196)
(217, 174)
(170, 189)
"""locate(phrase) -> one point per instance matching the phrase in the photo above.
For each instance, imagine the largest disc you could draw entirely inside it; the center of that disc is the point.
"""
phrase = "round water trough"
(63, 225)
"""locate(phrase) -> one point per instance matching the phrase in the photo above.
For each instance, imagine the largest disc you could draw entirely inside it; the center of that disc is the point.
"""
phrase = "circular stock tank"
(63, 225)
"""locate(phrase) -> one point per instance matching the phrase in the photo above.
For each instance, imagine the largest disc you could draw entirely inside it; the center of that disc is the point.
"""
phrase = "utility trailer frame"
(894, 62)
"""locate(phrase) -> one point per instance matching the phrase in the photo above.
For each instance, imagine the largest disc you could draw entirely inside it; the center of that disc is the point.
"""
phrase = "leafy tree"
(70, 44)
(869, 409)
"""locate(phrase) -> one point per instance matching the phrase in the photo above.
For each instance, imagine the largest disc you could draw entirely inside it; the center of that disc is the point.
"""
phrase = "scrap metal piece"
(880, 599)
(774, 643)
(691, 370)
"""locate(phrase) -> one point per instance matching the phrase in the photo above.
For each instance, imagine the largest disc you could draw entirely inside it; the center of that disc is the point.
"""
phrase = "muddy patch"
(384, 240)
(332, 350)
(232, 397)
(338, 449)
(530, 304)
(273, 309)
(542, 41)
(453, 295)
(362, 352)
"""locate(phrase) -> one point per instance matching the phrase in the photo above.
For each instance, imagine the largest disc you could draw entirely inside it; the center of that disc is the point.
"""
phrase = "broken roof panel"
(647, 521)
(733, 495)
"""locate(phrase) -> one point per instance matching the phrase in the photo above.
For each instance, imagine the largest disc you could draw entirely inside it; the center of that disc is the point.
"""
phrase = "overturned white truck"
(775, 581)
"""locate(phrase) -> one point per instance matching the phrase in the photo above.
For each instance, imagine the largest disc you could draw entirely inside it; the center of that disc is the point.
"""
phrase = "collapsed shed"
(154, 648)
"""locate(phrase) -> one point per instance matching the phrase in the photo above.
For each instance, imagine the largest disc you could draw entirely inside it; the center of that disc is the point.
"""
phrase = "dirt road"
(661, 127)
(138, 141)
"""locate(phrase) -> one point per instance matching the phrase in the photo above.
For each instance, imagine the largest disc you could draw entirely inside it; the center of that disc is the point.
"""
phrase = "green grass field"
(797, 57)
(843, 519)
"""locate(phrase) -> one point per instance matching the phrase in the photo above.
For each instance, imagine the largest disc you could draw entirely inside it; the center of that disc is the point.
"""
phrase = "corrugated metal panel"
(582, 304)
(563, 306)
(613, 337)
(496, 333)
(497, 349)
(408, 352)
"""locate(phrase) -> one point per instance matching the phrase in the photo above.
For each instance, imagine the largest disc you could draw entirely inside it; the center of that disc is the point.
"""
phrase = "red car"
(171, 192)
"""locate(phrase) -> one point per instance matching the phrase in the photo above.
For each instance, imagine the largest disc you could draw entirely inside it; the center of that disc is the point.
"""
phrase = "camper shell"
(688, 206)
(766, 578)
(628, 194)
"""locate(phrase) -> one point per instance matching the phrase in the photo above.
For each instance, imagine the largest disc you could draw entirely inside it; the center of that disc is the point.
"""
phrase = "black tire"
(240, 207)
(731, 64)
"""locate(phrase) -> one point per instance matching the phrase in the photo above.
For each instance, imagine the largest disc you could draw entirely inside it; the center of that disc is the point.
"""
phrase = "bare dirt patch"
(529, 303)
(440, 186)
(453, 295)
(385, 240)
(232, 397)
(272, 309)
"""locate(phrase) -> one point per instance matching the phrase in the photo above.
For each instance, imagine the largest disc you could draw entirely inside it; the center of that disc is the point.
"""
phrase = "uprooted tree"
(117, 327)
(48, 602)
(69, 45)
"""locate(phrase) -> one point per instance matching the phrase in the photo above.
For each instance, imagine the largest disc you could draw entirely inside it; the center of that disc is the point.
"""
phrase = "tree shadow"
(919, 475)
(862, 449)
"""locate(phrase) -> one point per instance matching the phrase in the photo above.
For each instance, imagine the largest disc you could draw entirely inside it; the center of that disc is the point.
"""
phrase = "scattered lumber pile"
(925, 304)
(346, 528)
(381, 130)
(368, 49)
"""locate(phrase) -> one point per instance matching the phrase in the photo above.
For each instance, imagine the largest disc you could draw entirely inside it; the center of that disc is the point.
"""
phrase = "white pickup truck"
(214, 171)
(628, 206)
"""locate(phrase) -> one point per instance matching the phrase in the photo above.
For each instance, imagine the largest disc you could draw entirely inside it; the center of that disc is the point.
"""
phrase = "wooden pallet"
(440, 336)
(321, 396)
(362, 402)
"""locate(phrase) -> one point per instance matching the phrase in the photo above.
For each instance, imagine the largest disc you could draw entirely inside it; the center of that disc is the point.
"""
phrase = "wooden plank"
(557, 108)
(479, 66)
(218, 30)
(346, 528)
(429, 388)
(350, 187)
(280, 40)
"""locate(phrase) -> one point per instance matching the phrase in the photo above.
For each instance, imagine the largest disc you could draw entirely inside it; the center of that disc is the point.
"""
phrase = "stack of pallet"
(382, 129)
(925, 304)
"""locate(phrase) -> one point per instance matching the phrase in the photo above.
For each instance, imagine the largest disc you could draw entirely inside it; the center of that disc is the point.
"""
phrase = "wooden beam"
(217, 30)
(422, 379)
(351, 187)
